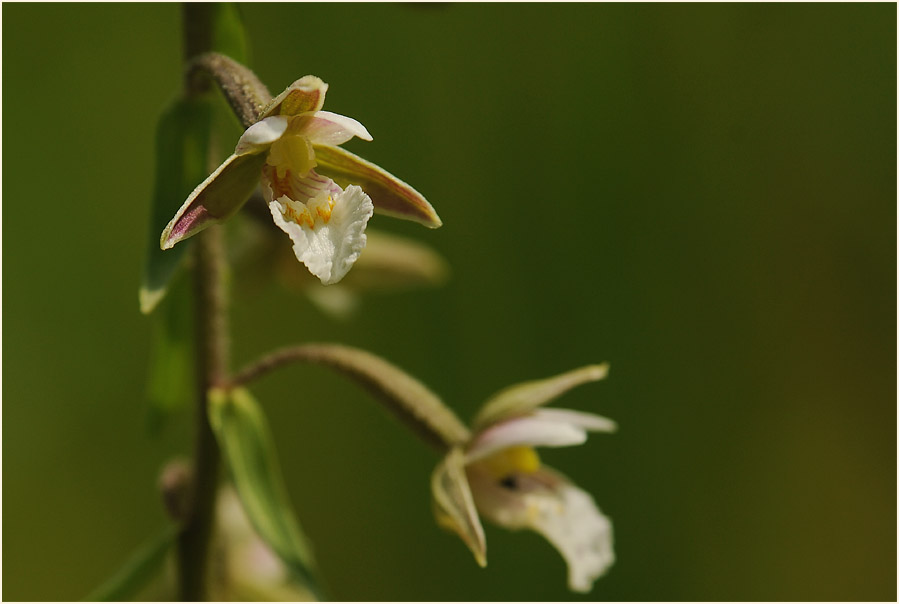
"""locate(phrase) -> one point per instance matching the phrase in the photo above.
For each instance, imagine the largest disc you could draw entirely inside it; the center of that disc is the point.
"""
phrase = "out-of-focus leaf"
(137, 571)
(170, 381)
(182, 148)
(247, 446)
(228, 34)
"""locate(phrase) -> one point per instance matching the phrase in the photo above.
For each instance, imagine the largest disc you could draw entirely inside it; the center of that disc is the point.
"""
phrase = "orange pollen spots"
(325, 212)
(301, 218)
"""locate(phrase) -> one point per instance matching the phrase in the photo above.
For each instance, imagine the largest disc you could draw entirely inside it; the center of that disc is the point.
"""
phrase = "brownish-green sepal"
(247, 446)
(182, 137)
(216, 199)
(304, 95)
(454, 507)
(390, 195)
(521, 399)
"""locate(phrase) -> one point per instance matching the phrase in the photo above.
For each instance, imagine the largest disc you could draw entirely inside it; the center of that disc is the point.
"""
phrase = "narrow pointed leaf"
(248, 448)
(228, 34)
(137, 571)
(390, 195)
(170, 383)
(523, 398)
(182, 139)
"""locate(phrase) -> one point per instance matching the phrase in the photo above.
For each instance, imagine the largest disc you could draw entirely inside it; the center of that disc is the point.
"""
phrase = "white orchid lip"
(567, 516)
(325, 223)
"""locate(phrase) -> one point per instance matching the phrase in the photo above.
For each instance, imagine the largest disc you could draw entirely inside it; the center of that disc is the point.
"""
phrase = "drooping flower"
(499, 474)
(282, 151)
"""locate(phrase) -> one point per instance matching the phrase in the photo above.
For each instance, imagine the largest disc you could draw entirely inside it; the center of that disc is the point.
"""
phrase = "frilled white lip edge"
(567, 516)
(329, 248)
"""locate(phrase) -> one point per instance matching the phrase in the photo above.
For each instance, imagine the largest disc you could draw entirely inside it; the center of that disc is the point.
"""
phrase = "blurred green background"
(702, 195)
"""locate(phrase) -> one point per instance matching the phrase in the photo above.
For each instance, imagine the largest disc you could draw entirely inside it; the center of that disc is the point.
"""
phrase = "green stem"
(212, 350)
(405, 397)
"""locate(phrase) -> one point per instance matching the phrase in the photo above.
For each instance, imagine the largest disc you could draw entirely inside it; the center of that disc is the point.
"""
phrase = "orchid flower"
(498, 473)
(282, 151)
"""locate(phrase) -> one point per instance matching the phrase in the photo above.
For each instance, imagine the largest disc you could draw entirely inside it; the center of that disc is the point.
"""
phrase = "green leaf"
(182, 149)
(137, 571)
(170, 380)
(247, 446)
(228, 35)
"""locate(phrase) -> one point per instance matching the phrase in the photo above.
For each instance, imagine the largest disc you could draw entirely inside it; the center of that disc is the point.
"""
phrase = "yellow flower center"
(305, 214)
(512, 460)
(292, 152)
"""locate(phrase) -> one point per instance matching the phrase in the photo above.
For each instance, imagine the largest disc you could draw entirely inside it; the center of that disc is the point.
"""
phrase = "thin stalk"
(212, 350)
(402, 395)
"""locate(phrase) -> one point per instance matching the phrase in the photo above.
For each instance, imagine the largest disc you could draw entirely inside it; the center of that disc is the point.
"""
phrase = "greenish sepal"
(390, 195)
(243, 435)
(170, 380)
(216, 199)
(454, 507)
(521, 399)
(182, 146)
(137, 571)
(305, 95)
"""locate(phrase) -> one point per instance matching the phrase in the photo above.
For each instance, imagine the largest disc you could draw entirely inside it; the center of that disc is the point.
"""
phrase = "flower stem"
(405, 397)
(212, 350)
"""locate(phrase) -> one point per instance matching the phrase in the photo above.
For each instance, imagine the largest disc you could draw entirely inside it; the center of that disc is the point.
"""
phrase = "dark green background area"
(702, 195)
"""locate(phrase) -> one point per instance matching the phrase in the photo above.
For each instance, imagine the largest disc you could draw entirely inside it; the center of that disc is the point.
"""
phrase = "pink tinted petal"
(529, 431)
(326, 128)
(587, 421)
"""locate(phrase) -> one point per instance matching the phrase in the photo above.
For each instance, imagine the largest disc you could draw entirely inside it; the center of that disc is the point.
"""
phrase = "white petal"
(329, 249)
(260, 136)
(565, 515)
(529, 430)
(326, 128)
(587, 421)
